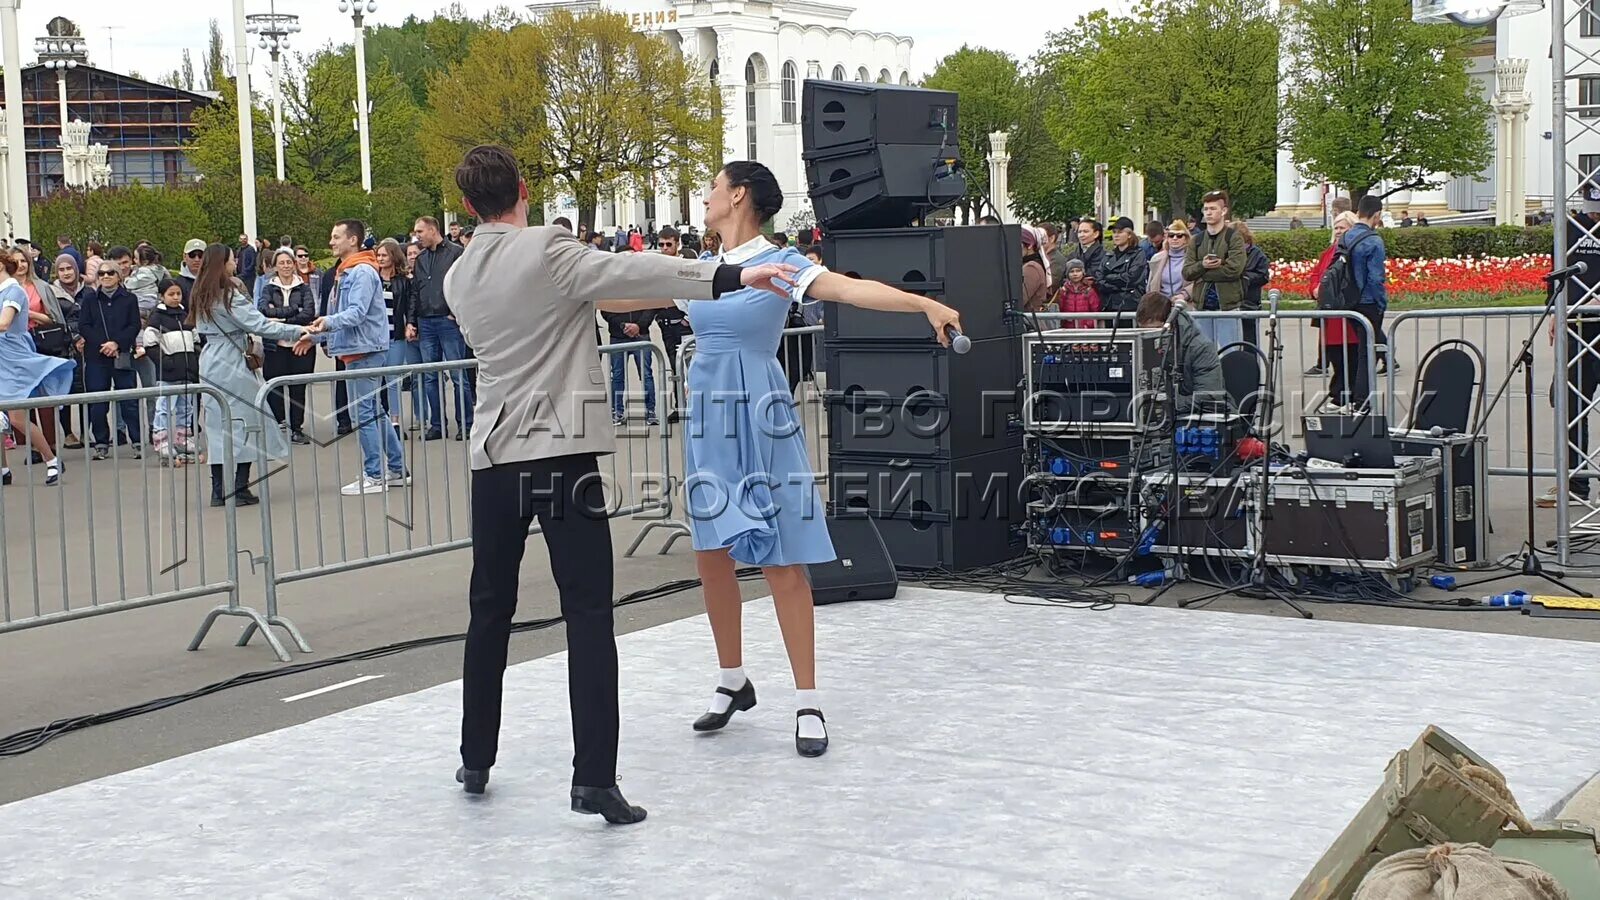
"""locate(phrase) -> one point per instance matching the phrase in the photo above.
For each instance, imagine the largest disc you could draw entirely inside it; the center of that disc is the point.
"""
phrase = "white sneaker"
(364, 486)
(1549, 498)
(399, 479)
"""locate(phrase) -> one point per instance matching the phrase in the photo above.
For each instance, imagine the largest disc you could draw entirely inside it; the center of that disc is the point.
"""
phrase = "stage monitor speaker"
(936, 514)
(975, 270)
(862, 571)
(920, 401)
(846, 113)
(881, 185)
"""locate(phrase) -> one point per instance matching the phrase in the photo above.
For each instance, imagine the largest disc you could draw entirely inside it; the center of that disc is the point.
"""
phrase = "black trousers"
(341, 400)
(566, 496)
(282, 361)
(1359, 376)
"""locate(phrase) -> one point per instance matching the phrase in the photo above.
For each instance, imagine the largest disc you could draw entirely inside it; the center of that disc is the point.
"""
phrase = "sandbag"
(1457, 872)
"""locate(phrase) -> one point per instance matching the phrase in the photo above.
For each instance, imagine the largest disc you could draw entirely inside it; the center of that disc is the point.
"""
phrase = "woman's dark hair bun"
(760, 182)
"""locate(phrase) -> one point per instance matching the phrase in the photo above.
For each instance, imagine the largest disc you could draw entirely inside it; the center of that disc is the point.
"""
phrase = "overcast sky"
(153, 44)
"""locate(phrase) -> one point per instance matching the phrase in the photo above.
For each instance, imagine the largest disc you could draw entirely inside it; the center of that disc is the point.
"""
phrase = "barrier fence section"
(311, 528)
(1498, 334)
(124, 532)
(1307, 365)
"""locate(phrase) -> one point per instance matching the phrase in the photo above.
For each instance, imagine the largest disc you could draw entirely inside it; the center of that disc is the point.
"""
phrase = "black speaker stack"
(925, 442)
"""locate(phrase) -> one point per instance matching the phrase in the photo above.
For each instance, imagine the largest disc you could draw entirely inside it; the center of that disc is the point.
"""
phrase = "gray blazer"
(524, 298)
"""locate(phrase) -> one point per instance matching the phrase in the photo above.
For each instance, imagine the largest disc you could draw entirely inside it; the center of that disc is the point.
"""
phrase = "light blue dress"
(24, 371)
(749, 484)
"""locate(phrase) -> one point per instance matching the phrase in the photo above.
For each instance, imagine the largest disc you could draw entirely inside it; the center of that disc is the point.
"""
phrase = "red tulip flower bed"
(1448, 282)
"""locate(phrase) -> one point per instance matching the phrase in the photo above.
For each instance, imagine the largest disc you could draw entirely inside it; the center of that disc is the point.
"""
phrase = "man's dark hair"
(666, 233)
(285, 240)
(780, 239)
(1153, 309)
(119, 252)
(988, 220)
(64, 239)
(1217, 197)
(488, 177)
(430, 221)
(353, 228)
(564, 222)
(1369, 206)
(765, 194)
(1154, 229)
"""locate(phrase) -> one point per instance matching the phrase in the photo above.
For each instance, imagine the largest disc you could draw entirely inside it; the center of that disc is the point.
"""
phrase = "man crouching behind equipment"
(1199, 370)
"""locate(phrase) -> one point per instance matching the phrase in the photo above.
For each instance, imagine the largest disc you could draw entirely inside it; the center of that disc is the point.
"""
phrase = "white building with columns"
(1512, 66)
(759, 52)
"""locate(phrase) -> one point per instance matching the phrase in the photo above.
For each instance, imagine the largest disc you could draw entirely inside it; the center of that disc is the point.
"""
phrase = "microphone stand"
(1531, 567)
(1260, 580)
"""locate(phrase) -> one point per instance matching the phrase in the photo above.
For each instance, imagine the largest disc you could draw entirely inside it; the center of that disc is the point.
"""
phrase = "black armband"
(727, 280)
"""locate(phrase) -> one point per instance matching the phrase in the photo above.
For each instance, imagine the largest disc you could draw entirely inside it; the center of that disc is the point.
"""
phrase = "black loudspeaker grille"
(952, 514)
(862, 571)
(896, 400)
(843, 113)
(975, 270)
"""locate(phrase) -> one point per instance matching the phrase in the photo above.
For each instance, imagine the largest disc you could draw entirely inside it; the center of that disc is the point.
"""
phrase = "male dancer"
(525, 298)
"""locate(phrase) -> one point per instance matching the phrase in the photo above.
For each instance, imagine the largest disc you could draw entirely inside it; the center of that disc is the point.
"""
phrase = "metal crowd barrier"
(127, 533)
(326, 533)
(1498, 333)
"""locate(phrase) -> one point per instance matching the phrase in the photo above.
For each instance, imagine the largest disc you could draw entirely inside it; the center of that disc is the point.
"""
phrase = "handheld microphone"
(1273, 296)
(959, 342)
(1577, 268)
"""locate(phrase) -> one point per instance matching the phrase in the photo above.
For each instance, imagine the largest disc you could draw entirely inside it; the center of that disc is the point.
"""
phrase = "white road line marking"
(331, 687)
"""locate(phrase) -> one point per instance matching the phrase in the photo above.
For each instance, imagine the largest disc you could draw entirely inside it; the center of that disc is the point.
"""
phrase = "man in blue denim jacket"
(1367, 259)
(356, 332)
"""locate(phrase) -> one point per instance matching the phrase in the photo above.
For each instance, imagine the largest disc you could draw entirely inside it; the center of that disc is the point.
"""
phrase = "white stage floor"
(980, 749)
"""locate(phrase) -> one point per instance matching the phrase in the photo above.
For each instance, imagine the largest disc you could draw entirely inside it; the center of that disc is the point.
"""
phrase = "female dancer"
(223, 315)
(25, 372)
(750, 490)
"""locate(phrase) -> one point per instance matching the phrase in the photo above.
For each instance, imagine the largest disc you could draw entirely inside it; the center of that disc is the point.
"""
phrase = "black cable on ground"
(31, 739)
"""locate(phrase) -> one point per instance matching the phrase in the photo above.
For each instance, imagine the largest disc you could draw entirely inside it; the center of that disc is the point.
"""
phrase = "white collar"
(6, 281)
(747, 251)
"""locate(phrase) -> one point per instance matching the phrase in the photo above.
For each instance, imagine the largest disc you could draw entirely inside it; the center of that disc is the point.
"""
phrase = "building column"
(1512, 104)
(1131, 196)
(730, 79)
(1000, 176)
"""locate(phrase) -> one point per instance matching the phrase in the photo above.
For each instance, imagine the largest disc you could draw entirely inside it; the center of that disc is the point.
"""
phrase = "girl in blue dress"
(24, 371)
(749, 489)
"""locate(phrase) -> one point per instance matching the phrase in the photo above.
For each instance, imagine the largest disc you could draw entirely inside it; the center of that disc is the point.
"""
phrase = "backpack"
(1338, 288)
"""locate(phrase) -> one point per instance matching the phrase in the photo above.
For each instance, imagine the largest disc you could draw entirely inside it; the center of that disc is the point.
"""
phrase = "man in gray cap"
(193, 252)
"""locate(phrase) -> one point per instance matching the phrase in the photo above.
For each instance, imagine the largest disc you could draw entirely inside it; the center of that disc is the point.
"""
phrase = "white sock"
(732, 679)
(809, 726)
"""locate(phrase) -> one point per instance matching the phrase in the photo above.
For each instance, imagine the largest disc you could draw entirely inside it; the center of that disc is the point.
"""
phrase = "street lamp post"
(17, 152)
(272, 30)
(62, 54)
(357, 9)
(247, 144)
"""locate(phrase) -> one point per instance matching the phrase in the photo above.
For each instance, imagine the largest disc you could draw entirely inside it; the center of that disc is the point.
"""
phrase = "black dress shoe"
(810, 746)
(742, 699)
(473, 781)
(607, 802)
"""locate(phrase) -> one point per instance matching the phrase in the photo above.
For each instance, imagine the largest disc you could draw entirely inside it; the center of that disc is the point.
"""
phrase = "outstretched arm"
(876, 295)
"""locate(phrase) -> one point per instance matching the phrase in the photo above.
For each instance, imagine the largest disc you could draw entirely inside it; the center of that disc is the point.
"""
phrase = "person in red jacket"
(1338, 338)
(1078, 295)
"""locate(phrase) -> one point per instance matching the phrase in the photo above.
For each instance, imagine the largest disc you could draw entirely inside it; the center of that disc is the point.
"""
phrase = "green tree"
(585, 102)
(417, 49)
(322, 147)
(214, 150)
(993, 98)
(1378, 99)
(1185, 92)
(218, 71)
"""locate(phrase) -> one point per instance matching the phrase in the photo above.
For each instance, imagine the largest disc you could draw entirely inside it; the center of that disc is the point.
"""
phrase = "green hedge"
(1416, 243)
